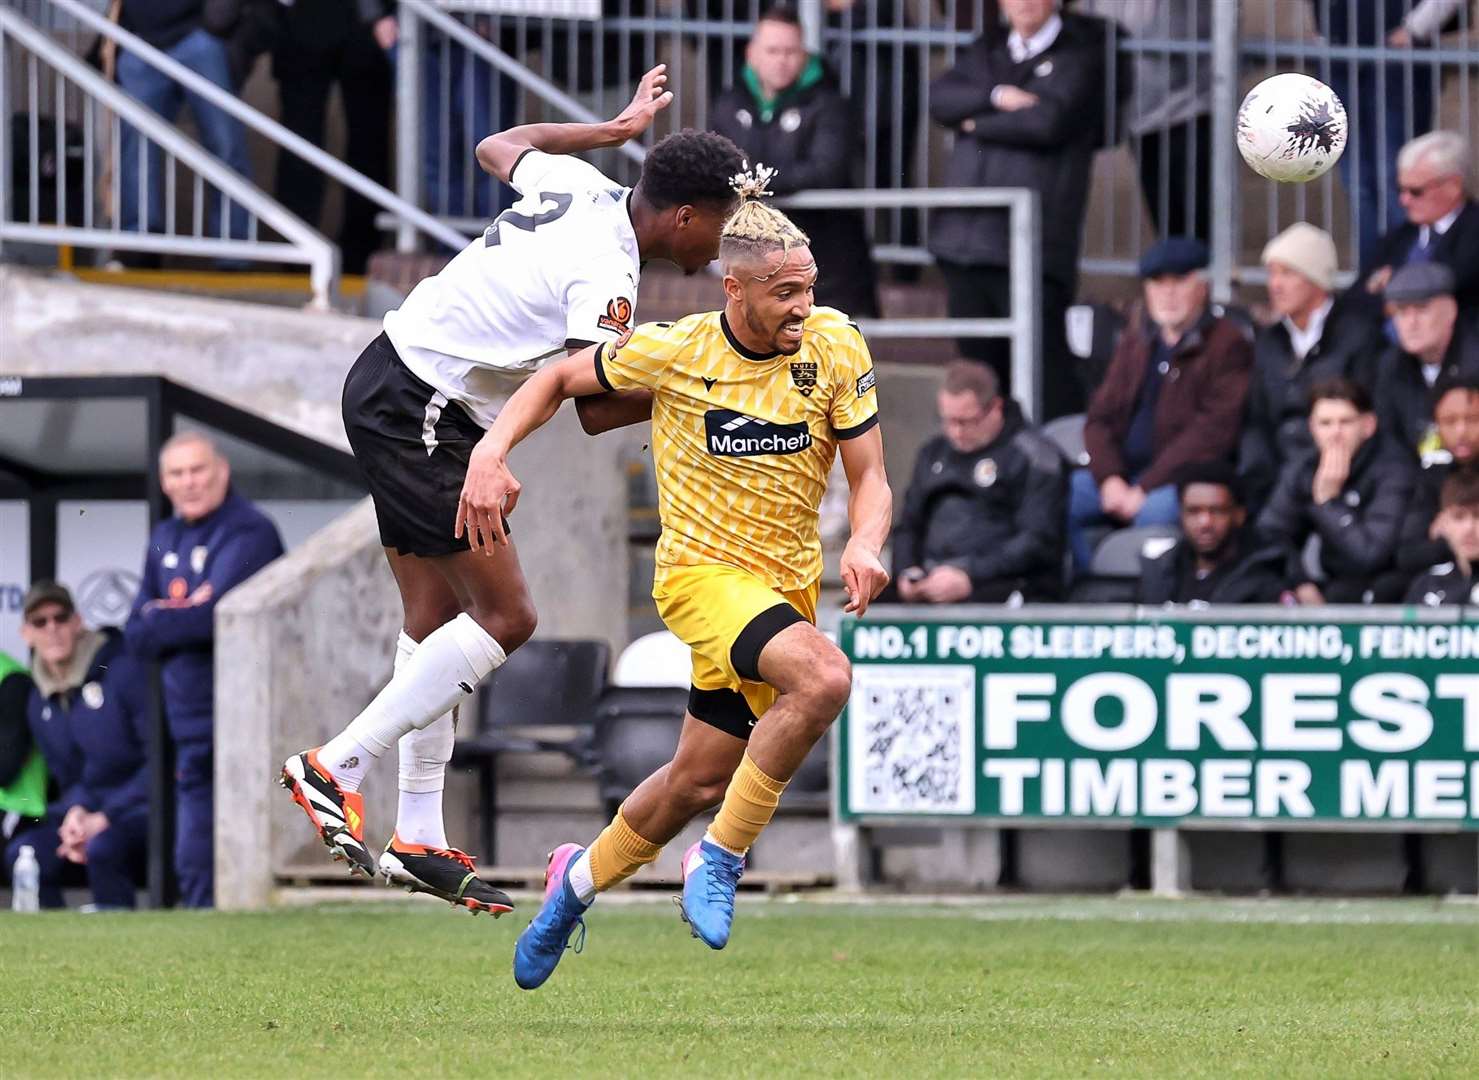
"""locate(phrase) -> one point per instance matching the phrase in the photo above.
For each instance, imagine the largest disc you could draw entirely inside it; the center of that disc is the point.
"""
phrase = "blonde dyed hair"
(756, 230)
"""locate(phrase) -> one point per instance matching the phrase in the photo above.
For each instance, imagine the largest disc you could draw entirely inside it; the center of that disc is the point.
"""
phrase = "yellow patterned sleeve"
(854, 407)
(641, 360)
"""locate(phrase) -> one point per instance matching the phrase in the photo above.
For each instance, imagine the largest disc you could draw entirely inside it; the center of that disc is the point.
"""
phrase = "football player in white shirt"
(553, 274)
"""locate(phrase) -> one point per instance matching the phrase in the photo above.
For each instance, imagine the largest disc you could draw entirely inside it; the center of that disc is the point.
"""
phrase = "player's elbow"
(494, 157)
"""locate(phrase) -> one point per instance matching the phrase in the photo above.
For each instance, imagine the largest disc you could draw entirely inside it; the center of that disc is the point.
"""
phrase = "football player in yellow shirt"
(750, 406)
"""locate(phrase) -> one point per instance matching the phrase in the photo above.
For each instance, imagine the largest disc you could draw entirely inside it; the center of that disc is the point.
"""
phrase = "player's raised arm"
(870, 511)
(490, 490)
(498, 153)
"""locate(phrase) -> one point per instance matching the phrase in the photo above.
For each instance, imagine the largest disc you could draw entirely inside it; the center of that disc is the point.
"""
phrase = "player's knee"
(831, 685)
(510, 624)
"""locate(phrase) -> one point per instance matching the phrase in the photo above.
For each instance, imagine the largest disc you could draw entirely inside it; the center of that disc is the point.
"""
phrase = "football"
(1291, 128)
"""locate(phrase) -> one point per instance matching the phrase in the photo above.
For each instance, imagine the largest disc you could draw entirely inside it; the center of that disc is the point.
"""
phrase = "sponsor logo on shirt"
(618, 318)
(732, 434)
(866, 381)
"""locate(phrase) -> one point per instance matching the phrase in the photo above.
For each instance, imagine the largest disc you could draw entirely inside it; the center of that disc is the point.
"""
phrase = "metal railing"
(50, 87)
(406, 212)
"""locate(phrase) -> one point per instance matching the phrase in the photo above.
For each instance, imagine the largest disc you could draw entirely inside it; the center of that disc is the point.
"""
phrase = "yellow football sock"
(748, 806)
(618, 853)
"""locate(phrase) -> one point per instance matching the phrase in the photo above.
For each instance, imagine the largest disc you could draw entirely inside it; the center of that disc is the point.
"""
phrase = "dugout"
(79, 492)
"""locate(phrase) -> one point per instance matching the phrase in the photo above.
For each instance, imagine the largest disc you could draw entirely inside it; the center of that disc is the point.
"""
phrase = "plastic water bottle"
(25, 881)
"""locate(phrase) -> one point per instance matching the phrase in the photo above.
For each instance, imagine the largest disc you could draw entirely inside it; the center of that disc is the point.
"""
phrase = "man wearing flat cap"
(1433, 340)
(1172, 396)
(87, 713)
(1317, 337)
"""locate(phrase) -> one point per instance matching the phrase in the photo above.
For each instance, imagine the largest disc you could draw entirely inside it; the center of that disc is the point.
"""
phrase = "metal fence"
(95, 168)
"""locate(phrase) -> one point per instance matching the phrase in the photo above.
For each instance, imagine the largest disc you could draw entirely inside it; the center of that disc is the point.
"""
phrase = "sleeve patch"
(618, 317)
(865, 382)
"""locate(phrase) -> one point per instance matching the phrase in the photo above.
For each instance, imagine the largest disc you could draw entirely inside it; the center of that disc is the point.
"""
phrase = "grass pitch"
(1016, 987)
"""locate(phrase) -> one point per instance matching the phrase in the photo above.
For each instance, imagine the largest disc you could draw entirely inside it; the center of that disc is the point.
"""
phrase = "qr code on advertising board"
(911, 740)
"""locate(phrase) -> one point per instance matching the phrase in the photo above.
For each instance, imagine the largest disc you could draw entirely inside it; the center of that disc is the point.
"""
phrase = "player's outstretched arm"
(498, 153)
(490, 490)
(870, 512)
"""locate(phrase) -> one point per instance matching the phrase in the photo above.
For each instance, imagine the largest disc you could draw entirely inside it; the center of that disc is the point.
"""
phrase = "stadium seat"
(1068, 433)
(657, 659)
(540, 700)
(1115, 570)
(634, 730)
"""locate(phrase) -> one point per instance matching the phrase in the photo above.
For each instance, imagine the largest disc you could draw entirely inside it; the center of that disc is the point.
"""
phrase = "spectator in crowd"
(1019, 107)
(1337, 512)
(22, 771)
(787, 113)
(1219, 559)
(1168, 111)
(983, 515)
(181, 29)
(1432, 341)
(324, 42)
(1441, 222)
(215, 540)
(87, 712)
(1317, 337)
(1172, 396)
(1456, 419)
(1380, 99)
(1452, 582)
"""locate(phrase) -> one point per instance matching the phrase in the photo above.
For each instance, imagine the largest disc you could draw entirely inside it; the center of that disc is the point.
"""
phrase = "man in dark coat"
(1441, 222)
(1218, 560)
(1173, 395)
(1456, 418)
(983, 515)
(1452, 582)
(1337, 513)
(87, 713)
(1025, 111)
(786, 113)
(1317, 337)
(1433, 340)
(215, 541)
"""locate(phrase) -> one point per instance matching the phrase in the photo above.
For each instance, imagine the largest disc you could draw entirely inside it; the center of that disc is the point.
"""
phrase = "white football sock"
(709, 836)
(440, 674)
(582, 881)
(424, 755)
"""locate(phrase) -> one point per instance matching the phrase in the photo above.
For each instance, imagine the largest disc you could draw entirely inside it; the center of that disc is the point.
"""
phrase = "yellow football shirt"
(742, 442)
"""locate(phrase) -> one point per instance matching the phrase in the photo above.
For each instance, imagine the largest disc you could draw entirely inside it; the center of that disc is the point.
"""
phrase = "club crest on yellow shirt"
(804, 376)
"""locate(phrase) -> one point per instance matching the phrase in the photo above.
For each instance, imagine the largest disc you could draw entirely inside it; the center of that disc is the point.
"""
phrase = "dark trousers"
(115, 860)
(1043, 589)
(304, 79)
(1176, 176)
(984, 292)
(195, 822)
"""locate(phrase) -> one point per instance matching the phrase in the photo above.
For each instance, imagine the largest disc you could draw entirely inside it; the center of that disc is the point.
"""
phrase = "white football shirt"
(557, 270)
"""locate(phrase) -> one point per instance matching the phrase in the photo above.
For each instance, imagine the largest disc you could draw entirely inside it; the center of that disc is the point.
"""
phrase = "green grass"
(1020, 987)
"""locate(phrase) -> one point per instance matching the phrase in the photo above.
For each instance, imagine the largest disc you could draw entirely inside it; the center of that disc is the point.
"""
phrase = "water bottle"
(25, 881)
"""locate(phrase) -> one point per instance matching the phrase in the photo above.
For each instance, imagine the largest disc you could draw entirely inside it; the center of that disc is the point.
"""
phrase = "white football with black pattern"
(1291, 128)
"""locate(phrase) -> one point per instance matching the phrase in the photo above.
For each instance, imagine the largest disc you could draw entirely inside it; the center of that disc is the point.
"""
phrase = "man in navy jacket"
(215, 540)
(87, 713)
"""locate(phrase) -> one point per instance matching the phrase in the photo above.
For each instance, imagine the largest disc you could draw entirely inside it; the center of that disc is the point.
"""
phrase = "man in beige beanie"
(1316, 337)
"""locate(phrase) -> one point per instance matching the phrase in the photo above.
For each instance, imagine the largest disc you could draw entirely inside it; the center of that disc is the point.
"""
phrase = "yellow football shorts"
(726, 616)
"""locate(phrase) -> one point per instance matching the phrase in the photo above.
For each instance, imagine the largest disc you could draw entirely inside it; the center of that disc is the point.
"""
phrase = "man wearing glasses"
(87, 713)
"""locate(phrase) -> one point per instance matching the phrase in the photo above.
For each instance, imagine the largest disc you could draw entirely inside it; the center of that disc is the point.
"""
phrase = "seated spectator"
(1442, 223)
(983, 516)
(788, 114)
(1219, 560)
(1172, 396)
(22, 771)
(215, 541)
(87, 712)
(1337, 512)
(180, 30)
(1432, 341)
(1457, 523)
(1456, 417)
(1317, 337)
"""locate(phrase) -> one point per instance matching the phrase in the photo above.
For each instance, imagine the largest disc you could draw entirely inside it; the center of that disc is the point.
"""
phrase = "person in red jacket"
(1173, 396)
